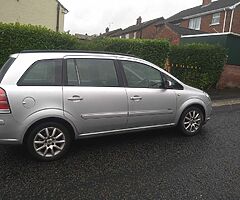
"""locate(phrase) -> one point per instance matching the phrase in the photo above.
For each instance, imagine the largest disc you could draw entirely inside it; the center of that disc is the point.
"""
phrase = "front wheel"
(48, 141)
(191, 121)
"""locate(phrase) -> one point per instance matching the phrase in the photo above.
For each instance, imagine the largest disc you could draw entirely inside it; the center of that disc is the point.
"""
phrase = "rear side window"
(5, 67)
(92, 73)
(43, 73)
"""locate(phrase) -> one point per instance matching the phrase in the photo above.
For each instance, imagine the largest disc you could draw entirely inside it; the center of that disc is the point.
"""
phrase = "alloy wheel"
(49, 142)
(192, 121)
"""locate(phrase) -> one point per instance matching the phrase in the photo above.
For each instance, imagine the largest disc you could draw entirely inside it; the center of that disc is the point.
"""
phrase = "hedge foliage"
(15, 37)
(155, 51)
(198, 65)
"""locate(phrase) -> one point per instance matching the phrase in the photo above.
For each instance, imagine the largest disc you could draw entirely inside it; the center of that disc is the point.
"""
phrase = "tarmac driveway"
(159, 164)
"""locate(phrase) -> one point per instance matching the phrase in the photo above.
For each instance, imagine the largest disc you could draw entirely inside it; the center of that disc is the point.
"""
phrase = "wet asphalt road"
(158, 164)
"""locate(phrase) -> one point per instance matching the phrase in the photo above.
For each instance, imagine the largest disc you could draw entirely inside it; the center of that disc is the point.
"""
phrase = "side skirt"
(120, 131)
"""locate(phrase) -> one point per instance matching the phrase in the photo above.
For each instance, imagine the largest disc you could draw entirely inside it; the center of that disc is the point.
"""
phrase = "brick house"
(113, 33)
(173, 32)
(211, 17)
(142, 30)
(48, 13)
(219, 17)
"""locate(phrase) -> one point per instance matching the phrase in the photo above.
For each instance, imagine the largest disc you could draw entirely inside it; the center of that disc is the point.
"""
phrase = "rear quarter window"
(43, 73)
(6, 67)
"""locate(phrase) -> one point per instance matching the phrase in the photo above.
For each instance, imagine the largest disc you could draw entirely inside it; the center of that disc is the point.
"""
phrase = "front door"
(149, 103)
(92, 96)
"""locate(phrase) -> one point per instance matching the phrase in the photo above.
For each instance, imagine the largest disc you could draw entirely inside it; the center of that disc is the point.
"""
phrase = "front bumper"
(208, 112)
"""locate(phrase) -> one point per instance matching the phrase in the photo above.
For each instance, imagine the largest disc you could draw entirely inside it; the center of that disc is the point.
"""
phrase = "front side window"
(216, 18)
(92, 72)
(142, 76)
(195, 23)
(43, 73)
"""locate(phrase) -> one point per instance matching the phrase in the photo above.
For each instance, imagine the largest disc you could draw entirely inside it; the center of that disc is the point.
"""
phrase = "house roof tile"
(215, 5)
(134, 28)
(183, 31)
(112, 33)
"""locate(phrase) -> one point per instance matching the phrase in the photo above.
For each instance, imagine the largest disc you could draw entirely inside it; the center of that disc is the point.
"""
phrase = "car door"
(149, 102)
(93, 96)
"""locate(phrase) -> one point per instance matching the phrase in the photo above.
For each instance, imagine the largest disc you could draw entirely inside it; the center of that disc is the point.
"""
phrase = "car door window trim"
(58, 75)
(117, 69)
(125, 77)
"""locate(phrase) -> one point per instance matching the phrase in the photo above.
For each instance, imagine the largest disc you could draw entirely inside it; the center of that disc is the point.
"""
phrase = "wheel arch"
(191, 103)
(67, 124)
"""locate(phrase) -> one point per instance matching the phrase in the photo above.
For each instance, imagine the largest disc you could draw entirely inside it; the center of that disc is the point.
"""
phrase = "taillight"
(4, 105)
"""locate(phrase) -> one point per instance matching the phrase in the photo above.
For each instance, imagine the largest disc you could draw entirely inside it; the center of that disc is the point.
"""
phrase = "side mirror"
(168, 84)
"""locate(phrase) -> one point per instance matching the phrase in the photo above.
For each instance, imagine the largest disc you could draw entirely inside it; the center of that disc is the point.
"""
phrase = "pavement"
(225, 97)
(229, 93)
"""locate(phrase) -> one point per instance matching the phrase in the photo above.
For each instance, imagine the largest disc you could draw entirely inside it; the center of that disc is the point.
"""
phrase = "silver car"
(50, 98)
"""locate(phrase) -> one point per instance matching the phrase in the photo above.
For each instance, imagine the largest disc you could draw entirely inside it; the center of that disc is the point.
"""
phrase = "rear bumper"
(10, 130)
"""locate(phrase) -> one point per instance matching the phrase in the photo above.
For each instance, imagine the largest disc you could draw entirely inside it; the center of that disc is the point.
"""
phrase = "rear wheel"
(48, 141)
(191, 121)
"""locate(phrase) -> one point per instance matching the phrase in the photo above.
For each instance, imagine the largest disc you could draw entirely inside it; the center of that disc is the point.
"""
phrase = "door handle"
(136, 98)
(75, 98)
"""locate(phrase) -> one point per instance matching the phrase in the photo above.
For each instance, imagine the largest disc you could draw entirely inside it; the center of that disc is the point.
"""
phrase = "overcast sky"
(93, 16)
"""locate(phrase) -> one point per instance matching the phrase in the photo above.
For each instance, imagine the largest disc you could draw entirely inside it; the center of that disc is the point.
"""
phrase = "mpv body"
(48, 99)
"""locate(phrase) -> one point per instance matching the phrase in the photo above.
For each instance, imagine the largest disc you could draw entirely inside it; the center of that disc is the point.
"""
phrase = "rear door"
(149, 102)
(93, 96)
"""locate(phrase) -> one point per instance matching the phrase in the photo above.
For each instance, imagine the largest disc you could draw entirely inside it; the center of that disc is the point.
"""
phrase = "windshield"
(5, 67)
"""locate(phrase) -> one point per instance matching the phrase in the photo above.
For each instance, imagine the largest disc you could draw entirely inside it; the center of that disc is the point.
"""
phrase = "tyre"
(191, 121)
(48, 141)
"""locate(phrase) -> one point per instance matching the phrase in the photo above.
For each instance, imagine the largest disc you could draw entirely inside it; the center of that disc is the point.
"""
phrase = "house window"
(195, 23)
(127, 36)
(216, 18)
(135, 35)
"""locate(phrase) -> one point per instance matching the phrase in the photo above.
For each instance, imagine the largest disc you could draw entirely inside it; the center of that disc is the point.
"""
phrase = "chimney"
(107, 30)
(206, 2)
(139, 20)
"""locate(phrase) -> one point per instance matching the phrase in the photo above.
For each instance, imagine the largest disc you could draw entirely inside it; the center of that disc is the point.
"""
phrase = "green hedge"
(155, 51)
(15, 38)
(198, 65)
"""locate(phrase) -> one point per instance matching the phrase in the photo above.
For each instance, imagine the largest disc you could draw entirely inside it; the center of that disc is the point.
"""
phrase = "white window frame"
(216, 18)
(135, 35)
(195, 23)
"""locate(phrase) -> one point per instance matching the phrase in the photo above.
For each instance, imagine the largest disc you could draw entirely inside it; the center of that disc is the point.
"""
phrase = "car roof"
(77, 51)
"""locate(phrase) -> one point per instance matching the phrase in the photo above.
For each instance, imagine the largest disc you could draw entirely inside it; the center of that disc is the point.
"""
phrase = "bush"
(155, 51)
(198, 65)
(15, 37)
